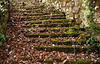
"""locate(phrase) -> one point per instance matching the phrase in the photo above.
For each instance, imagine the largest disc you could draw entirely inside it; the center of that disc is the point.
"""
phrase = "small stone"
(64, 3)
(76, 15)
(53, 45)
(71, 18)
(76, 9)
(71, 14)
(78, 21)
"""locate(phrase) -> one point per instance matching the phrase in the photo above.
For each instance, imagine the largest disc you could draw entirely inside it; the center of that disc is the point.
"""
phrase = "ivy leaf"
(7, 36)
(1, 43)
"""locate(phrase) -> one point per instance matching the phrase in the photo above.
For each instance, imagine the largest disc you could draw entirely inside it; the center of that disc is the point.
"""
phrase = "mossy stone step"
(64, 42)
(69, 42)
(28, 11)
(56, 25)
(79, 61)
(51, 21)
(46, 16)
(35, 7)
(35, 14)
(54, 29)
(42, 14)
(67, 49)
(76, 27)
(53, 35)
(23, 11)
(29, 18)
(50, 25)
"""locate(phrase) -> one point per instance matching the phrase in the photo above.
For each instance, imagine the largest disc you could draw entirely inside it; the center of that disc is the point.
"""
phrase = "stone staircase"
(50, 31)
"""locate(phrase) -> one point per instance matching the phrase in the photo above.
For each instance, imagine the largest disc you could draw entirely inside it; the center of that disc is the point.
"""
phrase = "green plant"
(25, 30)
(80, 61)
(3, 20)
(2, 37)
(92, 41)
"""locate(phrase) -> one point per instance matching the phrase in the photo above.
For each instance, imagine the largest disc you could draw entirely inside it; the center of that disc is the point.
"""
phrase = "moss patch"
(48, 25)
(49, 61)
(43, 41)
(81, 42)
(54, 41)
(55, 29)
(35, 22)
(67, 42)
(54, 35)
(68, 49)
(43, 30)
(75, 28)
(70, 34)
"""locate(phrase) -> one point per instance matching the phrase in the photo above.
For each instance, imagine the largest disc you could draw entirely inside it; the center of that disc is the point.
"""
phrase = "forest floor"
(23, 47)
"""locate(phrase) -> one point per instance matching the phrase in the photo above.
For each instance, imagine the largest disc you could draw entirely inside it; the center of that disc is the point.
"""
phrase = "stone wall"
(3, 17)
(74, 9)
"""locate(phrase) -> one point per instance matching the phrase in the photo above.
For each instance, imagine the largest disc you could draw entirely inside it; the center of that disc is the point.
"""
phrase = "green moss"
(87, 36)
(58, 15)
(14, 4)
(55, 29)
(43, 41)
(70, 62)
(43, 30)
(43, 35)
(66, 24)
(57, 21)
(81, 41)
(98, 62)
(54, 35)
(53, 21)
(71, 30)
(35, 22)
(67, 34)
(48, 25)
(54, 41)
(25, 30)
(32, 35)
(32, 30)
(68, 49)
(75, 28)
(49, 61)
(58, 18)
(43, 25)
(67, 42)
(52, 25)
(80, 61)
(74, 34)
(15, 62)
(25, 13)
(66, 29)
(59, 60)
(62, 0)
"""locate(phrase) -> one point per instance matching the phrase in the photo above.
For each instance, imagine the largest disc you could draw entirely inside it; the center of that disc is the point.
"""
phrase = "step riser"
(42, 15)
(52, 35)
(65, 42)
(65, 49)
(50, 25)
(26, 19)
(48, 22)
